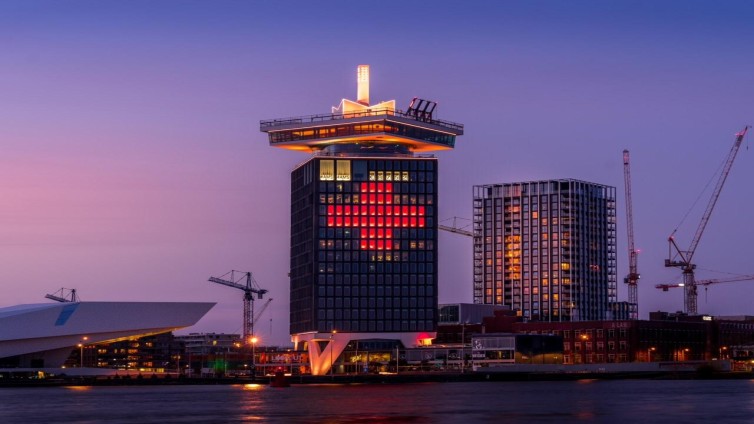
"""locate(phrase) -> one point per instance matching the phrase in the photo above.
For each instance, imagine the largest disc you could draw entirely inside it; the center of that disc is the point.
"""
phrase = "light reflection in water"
(728, 401)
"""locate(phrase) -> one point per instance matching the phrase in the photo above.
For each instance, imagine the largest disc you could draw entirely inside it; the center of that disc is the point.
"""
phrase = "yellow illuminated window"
(380, 176)
(326, 170)
(565, 266)
(344, 170)
(405, 175)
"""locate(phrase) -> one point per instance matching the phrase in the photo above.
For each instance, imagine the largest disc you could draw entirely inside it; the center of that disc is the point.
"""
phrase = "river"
(599, 401)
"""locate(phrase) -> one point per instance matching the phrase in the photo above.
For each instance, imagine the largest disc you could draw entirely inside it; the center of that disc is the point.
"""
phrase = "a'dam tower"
(363, 262)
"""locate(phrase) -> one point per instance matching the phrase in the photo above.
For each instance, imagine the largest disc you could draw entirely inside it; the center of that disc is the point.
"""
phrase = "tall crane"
(63, 295)
(683, 258)
(633, 258)
(250, 288)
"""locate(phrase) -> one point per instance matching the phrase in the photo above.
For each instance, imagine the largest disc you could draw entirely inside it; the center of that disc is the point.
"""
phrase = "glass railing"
(265, 124)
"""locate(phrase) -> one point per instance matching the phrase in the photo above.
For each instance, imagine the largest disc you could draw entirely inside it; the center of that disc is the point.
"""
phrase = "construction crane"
(250, 288)
(455, 228)
(705, 283)
(683, 258)
(633, 255)
(63, 295)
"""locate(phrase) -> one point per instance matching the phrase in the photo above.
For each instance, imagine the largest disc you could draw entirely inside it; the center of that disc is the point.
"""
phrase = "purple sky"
(132, 165)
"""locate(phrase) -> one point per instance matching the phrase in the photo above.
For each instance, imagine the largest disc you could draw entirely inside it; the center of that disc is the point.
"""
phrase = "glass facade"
(363, 245)
(546, 249)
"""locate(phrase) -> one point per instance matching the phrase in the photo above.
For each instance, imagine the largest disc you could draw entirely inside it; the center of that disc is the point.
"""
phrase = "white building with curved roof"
(43, 335)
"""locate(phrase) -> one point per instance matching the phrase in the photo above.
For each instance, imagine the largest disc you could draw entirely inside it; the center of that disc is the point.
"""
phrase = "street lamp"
(723, 349)
(649, 354)
(584, 339)
(254, 341)
(81, 351)
(332, 336)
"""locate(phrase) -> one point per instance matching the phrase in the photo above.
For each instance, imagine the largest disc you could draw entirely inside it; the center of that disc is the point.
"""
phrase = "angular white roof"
(36, 328)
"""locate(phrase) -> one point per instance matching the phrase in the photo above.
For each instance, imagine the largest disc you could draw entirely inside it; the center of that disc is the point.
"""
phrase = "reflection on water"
(529, 402)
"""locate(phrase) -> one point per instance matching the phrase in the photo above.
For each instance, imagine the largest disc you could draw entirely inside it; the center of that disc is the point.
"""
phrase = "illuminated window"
(344, 170)
(326, 170)
(376, 220)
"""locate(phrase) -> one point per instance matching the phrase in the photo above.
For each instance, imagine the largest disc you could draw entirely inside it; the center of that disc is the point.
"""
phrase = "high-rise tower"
(363, 260)
(546, 249)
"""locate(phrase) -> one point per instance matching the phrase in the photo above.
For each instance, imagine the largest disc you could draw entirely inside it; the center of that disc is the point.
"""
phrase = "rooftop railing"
(271, 123)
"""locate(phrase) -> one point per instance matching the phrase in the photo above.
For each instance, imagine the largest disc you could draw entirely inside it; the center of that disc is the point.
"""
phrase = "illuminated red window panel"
(376, 221)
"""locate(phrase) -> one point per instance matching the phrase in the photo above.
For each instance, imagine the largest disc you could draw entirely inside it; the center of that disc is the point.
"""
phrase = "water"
(625, 401)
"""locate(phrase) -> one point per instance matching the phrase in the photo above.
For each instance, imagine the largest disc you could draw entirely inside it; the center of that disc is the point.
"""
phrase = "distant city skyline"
(133, 169)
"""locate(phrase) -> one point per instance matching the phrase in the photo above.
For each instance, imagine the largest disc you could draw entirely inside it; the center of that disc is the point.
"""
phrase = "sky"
(132, 167)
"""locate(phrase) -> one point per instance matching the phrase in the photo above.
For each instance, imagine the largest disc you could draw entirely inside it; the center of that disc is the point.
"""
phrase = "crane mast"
(633, 276)
(250, 288)
(685, 256)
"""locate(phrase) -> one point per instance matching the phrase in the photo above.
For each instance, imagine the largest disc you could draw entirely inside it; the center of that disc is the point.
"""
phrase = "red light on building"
(376, 231)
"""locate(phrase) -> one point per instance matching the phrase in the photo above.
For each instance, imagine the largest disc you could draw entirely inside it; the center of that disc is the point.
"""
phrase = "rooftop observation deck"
(381, 126)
